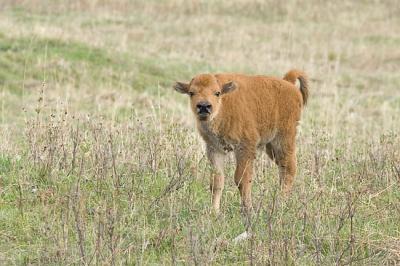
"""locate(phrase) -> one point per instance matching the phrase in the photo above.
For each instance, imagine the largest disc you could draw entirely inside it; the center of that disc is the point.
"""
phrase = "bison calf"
(242, 113)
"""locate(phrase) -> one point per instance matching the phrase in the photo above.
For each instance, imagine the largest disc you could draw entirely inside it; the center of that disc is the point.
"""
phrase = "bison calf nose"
(203, 108)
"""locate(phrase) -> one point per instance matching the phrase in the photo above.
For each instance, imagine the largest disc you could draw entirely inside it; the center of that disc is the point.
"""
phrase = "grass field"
(100, 162)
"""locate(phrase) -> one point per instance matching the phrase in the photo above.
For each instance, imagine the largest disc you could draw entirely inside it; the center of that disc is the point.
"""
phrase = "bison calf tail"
(292, 76)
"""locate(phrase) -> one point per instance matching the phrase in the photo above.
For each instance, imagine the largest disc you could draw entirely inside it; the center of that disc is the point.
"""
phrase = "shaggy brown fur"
(242, 113)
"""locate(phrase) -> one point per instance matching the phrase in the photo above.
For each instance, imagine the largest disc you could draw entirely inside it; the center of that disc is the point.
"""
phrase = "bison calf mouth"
(203, 116)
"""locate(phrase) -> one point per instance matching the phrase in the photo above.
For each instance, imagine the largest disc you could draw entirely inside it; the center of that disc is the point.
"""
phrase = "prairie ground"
(100, 162)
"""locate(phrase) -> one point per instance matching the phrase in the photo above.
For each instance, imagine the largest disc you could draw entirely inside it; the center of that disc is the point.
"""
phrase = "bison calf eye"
(191, 93)
(217, 94)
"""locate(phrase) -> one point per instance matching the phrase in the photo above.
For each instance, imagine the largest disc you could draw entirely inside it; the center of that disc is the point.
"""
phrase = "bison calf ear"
(181, 87)
(229, 87)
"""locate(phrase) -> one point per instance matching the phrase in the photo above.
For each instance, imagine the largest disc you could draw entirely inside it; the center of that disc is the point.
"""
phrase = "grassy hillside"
(100, 162)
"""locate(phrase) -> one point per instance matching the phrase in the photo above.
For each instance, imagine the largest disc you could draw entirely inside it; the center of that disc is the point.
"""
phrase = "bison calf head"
(206, 93)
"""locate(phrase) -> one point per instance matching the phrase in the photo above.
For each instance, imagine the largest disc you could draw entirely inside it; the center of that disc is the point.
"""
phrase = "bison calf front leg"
(217, 177)
(244, 175)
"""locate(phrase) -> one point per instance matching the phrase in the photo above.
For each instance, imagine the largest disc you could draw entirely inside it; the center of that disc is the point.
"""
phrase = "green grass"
(53, 58)
(101, 164)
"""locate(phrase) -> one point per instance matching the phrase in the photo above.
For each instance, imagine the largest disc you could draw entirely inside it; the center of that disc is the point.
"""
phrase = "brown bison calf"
(241, 113)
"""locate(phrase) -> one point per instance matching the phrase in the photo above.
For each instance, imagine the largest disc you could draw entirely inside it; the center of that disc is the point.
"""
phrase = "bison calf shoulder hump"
(242, 113)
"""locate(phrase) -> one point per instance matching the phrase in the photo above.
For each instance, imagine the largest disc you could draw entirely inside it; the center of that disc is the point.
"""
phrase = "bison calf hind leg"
(283, 152)
(287, 172)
